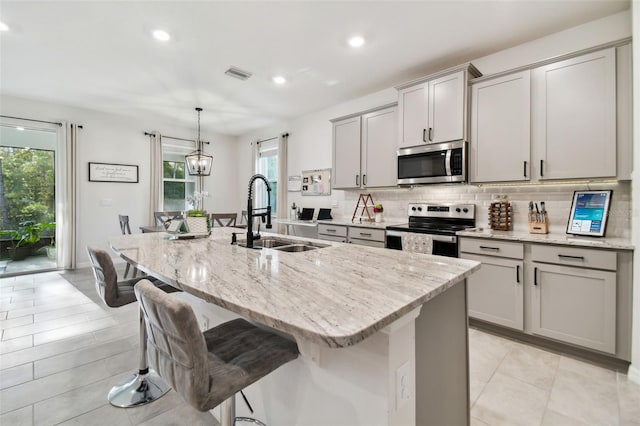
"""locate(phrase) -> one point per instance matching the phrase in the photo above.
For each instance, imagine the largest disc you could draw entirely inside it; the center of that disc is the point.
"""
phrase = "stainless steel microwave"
(433, 163)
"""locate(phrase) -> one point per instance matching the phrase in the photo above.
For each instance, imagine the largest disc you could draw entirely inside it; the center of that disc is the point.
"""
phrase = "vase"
(378, 217)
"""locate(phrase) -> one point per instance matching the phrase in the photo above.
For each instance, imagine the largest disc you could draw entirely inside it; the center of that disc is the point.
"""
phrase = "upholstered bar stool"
(208, 368)
(145, 386)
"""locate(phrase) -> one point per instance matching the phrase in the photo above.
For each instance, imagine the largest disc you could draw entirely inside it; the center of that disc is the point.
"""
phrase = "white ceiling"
(100, 55)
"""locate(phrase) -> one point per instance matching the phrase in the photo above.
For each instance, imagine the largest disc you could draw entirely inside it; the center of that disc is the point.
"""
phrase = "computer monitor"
(589, 213)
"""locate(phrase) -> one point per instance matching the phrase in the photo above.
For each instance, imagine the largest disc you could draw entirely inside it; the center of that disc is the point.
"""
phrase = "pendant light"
(199, 163)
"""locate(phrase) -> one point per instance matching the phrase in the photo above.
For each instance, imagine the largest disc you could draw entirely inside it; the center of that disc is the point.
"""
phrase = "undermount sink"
(284, 244)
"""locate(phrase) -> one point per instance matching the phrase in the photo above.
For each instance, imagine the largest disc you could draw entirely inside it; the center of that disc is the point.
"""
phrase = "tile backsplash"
(557, 198)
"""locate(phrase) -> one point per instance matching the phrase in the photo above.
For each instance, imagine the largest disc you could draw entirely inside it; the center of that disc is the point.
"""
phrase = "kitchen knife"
(530, 211)
(543, 211)
(537, 213)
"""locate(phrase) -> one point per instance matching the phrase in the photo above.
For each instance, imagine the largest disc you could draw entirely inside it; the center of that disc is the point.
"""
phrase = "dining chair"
(126, 230)
(224, 219)
(145, 386)
(162, 217)
(208, 368)
(244, 219)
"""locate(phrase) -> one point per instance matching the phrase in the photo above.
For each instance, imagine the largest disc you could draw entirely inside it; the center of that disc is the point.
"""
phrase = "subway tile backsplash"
(557, 198)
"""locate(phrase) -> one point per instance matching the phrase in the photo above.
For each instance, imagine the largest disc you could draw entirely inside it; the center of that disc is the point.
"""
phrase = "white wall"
(634, 371)
(110, 138)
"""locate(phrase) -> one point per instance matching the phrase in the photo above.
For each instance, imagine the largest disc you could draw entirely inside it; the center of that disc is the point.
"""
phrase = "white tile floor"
(61, 350)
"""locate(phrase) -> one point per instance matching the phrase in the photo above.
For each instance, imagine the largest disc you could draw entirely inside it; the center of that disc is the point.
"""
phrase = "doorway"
(27, 200)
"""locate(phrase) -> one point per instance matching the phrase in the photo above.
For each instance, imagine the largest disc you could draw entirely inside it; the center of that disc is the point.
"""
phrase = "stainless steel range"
(436, 223)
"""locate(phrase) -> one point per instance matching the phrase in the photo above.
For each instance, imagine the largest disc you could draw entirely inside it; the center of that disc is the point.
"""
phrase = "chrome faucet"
(251, 211)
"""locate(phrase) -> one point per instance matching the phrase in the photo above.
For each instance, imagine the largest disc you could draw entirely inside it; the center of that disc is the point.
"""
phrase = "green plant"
(196, 213)
(28, 233)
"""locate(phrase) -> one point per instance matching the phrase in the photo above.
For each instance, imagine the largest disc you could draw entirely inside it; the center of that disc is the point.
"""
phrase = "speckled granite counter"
(561, 239)
(335, 296)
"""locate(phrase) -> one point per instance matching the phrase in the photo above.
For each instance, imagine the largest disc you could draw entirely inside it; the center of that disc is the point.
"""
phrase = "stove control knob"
(413, 209)
(419, 209)
(466, 210)
(457, 209)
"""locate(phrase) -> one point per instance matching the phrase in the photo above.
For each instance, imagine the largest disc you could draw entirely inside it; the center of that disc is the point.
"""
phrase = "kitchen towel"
(417, 243)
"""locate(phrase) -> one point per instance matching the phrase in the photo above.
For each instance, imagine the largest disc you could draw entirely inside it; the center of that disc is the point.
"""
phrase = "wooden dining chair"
(126, 230)
(162, 217)
(223, 219)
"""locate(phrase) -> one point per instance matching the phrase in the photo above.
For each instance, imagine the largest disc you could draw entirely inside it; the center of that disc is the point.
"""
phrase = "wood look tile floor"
(61, 350)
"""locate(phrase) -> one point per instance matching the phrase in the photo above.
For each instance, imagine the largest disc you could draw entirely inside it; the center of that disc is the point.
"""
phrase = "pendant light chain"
(199, 163)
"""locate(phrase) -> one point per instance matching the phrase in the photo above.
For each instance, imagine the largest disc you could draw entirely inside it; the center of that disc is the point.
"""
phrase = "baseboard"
(634, 373)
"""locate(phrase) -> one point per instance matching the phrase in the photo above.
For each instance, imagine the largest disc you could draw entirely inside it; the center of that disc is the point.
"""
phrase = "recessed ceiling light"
(4, 27)
(356, 41)
(19, 128)
(161, 35)
(279, 79)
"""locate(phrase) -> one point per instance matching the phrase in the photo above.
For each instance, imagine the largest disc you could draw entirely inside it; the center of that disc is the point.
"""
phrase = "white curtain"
(255, 146)
(66, 197)
(155, 169)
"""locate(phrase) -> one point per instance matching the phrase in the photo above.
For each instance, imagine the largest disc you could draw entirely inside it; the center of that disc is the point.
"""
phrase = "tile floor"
(61, 350)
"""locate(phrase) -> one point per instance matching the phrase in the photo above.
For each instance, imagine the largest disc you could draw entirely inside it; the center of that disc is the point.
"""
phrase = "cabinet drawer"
(335, 238)
(367, 234)
(509, 249)
(370, 243)
(338, 230)
(574, 256)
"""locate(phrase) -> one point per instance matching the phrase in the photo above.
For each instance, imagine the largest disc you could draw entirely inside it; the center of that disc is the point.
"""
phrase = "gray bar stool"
(208, 368)
(145, 386)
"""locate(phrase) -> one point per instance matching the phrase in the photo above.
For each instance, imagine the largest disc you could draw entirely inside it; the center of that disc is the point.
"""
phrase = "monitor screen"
(589, 213)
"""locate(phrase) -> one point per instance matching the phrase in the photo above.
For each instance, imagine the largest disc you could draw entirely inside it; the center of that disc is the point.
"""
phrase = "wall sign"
(105, 172)
(316, 182)
(294, 184)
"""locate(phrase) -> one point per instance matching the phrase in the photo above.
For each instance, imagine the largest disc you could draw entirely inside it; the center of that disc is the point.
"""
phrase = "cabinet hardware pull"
(430, 133)
(364, 180)
(524, 171)
(365, 234)
(535, 276)
(424, 135)
(541, 168)
(331, 230)
(564, 256)
(357, 180)
(518, 274)
(490, 248)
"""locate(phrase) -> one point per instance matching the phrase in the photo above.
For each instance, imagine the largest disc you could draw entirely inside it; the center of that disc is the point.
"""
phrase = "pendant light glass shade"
(199, 163)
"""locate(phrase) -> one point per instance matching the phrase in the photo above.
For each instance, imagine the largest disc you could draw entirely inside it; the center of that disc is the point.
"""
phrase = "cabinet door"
(446, 108)
(346, 153)
(379, 159)
(575, 305)
(495, 291)
(413, 115)
(575, 117)
(500, 129)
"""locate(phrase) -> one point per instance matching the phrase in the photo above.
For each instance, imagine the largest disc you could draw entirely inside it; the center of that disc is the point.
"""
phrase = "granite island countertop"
(334, 296)
(559, 239)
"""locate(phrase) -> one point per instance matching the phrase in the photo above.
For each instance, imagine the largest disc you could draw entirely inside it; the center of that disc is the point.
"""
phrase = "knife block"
(541, 227)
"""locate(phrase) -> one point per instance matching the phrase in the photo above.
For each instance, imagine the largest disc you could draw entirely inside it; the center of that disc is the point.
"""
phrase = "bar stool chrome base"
(228, 413)
(249, 420)
(137, 390)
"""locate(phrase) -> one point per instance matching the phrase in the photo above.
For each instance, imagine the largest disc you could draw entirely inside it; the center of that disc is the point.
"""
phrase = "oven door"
(442, 245)
(432, 163)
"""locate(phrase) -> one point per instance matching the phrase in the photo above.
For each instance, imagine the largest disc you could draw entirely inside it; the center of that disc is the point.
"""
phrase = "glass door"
(27, 200)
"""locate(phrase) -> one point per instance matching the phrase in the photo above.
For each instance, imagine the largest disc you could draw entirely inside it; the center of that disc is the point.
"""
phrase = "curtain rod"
(284, 135)
(37, 121)
(171, 137)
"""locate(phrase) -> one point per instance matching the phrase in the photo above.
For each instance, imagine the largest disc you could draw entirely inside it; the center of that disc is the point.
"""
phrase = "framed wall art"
(107, 172)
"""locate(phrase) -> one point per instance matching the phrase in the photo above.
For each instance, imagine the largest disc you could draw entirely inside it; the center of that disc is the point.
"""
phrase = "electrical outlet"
(334, 203)
(205, 322)
(403, 385)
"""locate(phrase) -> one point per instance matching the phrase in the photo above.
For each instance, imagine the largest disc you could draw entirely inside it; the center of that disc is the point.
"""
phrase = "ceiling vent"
(237, 73)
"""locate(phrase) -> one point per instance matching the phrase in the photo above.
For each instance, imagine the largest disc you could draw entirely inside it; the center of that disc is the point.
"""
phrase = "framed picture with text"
(108, 172)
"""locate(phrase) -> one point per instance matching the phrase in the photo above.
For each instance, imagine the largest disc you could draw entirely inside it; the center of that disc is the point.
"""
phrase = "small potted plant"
(198, 220)
(377, 211)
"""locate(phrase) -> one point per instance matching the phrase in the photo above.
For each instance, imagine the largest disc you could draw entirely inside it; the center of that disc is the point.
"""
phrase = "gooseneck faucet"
(251, 211)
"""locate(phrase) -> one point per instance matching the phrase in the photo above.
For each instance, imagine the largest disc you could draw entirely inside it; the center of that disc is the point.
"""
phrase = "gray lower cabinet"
(336, 233)
(574, 304)
(496, 292)
(366, 236)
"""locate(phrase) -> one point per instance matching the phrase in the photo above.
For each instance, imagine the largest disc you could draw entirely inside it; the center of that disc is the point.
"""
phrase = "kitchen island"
(383, 333)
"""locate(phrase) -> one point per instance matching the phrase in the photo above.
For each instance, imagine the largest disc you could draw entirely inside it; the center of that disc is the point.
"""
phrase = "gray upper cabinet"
(346, 153)
(499, 148)
(574, 117)
(433, 109)
(364, 150)
(379, 164)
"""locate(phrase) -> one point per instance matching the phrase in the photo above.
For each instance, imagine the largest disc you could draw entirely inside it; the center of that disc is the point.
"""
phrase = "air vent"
(237, 73)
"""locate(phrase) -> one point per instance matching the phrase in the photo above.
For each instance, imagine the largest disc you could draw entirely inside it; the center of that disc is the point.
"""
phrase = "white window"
(267, 165)
(177, 184)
